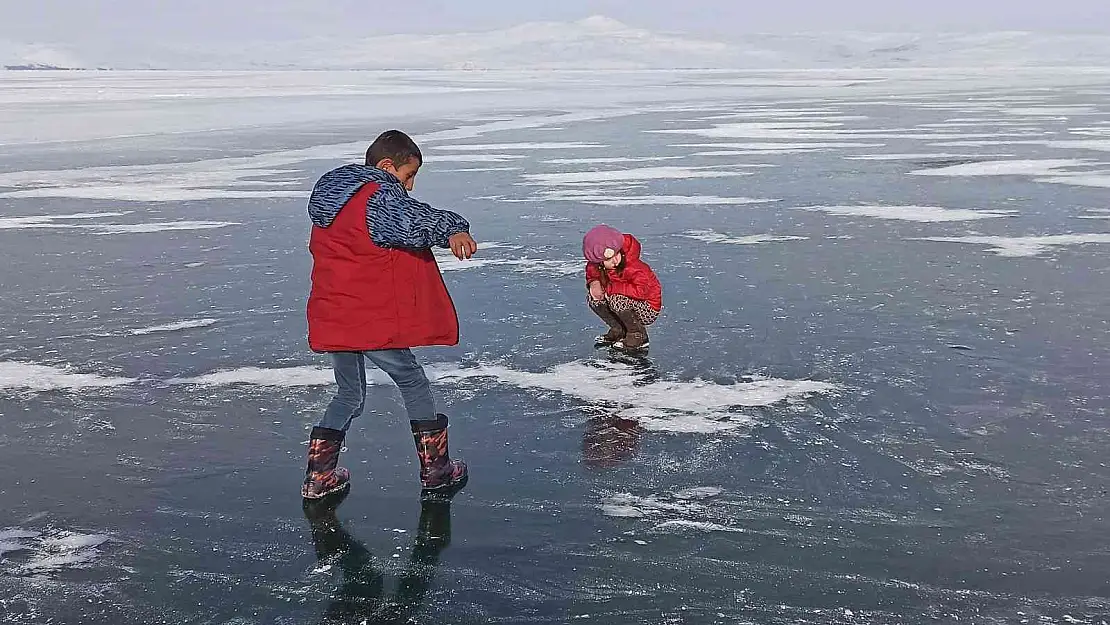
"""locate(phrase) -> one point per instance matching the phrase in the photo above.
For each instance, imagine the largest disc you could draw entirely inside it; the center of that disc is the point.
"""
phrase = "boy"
(376, 293)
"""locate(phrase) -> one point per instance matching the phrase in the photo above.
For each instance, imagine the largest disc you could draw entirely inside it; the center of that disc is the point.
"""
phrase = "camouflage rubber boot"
(323, 476)
(616, 328)
(439, 474)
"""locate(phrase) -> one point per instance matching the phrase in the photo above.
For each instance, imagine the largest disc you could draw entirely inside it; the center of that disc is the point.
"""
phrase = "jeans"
(350, 374)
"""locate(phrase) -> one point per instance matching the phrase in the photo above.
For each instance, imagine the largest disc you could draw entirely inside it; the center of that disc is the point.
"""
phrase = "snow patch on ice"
(655, 200)
(1019, 247)
(550, 145)
(1027, 167)
(921, 157)
(606, 160)
(710, 236)
(264, 175)
(55, 552)
(658, 404)
(922, 214)
(174, 327)
(636, 174)
(28, 377)
(472, 158)
(79, 222)
(1092, 179)
(51, 221)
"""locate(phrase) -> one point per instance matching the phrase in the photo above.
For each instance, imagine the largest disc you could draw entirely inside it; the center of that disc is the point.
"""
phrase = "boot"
(323, 476)
(635, 338)
(439, 474)
(616, 329)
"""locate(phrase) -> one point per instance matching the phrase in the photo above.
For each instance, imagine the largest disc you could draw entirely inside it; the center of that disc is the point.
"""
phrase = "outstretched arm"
(397, 220)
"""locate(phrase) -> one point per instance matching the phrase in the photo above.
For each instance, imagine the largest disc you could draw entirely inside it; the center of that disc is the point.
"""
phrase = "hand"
(462, 245)
(596, 291)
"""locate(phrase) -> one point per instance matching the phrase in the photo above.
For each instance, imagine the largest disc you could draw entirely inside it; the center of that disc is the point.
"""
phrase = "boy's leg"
(350, 398)
(416, 391)
(324, 476)
(439, 474)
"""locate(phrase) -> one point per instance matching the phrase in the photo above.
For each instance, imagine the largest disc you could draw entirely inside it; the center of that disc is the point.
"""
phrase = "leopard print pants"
(620, 303)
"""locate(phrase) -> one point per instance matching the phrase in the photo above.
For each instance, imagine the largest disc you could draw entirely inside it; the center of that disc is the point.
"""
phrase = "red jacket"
(365, 297)
(634, 279)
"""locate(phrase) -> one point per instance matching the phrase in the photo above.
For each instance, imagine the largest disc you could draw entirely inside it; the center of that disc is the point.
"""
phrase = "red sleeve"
(593, 273)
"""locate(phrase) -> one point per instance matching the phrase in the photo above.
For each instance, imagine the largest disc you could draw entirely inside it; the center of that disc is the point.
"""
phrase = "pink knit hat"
(601, 243)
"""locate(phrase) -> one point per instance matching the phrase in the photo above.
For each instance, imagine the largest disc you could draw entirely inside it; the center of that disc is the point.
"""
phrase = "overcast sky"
(227, 20)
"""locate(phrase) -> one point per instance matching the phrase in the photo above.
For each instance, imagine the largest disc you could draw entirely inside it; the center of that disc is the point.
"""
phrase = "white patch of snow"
(623, 175)
(663, 405)
(1027, 167)
(922, 214)
(710, 236)
(22, 376)
(178, 325)
(550, 145)
(1019, 247)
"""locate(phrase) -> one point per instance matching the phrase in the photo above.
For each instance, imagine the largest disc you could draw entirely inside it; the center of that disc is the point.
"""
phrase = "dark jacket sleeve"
(397, 220)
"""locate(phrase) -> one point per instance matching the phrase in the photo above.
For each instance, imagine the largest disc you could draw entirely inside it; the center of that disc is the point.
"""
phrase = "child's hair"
(394, 145)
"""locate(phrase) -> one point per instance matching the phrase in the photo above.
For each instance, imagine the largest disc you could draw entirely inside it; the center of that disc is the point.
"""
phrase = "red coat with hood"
(375, 282)
(633, 278)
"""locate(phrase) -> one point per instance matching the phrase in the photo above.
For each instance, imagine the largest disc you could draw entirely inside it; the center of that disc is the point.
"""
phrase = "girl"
(623, 290)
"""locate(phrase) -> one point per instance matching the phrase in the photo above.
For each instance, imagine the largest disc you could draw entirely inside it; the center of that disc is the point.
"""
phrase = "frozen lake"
(876, 394)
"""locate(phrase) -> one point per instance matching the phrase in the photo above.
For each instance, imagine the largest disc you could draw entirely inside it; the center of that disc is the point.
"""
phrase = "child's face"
(405, 173)
(611, 263)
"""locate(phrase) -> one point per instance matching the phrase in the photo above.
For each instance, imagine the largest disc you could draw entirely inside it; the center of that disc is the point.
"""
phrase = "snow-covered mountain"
(35, 56)
(595, 43)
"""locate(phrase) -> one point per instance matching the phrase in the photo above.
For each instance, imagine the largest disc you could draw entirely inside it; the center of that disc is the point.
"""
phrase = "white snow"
(472, 158)
(159, 226)
(1101, 145)
(605, 160)
(656, 200)
(29, 377)
(551, 145)
(701, 526)
(636, 174)
(282, 377)
(779, 146)
(175, 326)
(79, 221)
(1093, 179)
(1018, 247)
(662, 405)
(51, 221)
(923, 214)
(1023, 167)
(263, 175)
(921, 157)
(710, 236)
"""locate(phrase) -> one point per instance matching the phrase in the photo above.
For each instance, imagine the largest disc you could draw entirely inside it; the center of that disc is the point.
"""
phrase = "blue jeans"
(350, 374)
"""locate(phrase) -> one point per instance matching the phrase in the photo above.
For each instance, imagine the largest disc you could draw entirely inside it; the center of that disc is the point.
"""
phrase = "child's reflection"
(361, 597)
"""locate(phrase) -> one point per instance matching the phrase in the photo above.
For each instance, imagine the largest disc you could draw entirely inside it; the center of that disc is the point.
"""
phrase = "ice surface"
(1017, 247)
(710, 236)
(23, 376)
(923, 214)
